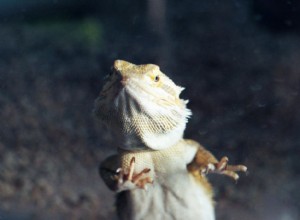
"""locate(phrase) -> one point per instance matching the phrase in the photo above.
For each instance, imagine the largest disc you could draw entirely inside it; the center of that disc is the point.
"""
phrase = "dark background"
(239, 62)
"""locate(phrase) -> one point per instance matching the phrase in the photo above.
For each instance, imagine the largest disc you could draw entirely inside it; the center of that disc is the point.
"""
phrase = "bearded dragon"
(156, 173)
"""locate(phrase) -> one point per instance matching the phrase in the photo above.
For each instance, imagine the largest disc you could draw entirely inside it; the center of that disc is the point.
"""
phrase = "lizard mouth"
(147, 95)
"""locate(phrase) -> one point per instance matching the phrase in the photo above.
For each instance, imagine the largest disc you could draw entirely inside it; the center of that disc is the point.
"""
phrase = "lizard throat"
(144, 119)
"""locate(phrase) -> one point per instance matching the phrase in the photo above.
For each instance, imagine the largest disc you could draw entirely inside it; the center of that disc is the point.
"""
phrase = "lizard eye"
(156, 79)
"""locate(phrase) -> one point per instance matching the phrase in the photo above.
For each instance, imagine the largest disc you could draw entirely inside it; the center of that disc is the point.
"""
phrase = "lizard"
(156, 173)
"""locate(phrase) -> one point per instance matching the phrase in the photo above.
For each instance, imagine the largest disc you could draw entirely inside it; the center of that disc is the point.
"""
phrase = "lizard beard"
(148, 123)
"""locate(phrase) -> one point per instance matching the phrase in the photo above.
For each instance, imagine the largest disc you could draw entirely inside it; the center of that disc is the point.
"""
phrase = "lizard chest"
(174, 194)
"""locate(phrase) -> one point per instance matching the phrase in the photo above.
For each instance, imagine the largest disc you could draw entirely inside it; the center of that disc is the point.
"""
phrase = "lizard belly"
(175, 197)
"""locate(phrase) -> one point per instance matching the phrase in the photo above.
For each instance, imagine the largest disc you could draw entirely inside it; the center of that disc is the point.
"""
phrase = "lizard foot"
(222, 167)
(127, 179)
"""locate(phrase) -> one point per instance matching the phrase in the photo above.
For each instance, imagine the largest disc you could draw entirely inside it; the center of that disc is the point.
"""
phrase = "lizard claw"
(222, 167)
(127, 179)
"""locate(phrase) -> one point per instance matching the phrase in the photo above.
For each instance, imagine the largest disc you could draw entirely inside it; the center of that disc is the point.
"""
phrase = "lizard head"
(142, 105)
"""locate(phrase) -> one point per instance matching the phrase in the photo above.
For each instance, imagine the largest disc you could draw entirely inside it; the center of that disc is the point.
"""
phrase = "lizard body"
(142, 107)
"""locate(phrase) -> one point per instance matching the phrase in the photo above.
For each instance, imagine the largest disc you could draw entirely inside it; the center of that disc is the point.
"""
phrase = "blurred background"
(239, 62)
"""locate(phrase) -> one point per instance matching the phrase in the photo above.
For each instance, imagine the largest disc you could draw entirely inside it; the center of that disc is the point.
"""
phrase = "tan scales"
(157, 173)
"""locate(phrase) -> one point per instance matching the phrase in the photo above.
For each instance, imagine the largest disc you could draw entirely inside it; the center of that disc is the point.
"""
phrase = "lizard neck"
(150, 141)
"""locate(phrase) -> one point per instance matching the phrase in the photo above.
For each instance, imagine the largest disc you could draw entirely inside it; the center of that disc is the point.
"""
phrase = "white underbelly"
(174, 198)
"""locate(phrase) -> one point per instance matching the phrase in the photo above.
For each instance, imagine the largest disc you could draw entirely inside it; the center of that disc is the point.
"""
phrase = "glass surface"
(238, 60)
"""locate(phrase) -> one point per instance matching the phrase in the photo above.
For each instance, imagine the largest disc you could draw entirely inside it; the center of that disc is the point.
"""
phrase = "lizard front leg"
(222, 167)
(119, 179)
(205, 163)
(128, 179)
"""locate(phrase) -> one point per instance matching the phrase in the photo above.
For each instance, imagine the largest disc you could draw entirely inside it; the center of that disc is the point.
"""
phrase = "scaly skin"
(141, 105)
